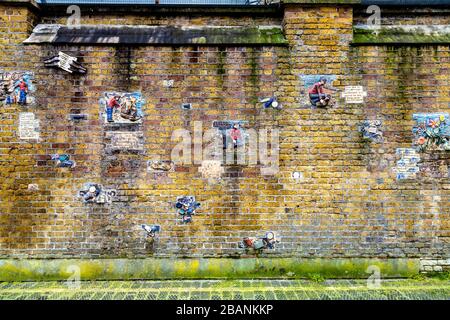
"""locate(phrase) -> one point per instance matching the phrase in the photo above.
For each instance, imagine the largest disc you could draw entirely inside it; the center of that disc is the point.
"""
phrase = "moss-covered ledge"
(401, 34)
(212, 268)
(157, 35)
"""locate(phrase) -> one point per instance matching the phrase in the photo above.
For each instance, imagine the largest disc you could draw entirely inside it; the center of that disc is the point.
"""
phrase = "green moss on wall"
(254, 75)
(394, 35)
(128, 269)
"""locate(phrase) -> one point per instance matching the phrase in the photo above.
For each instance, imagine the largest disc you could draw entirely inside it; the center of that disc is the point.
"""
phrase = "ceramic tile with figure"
(96, 193)
(233, 132)
(119, 107)
(17, 88)
(320, 90)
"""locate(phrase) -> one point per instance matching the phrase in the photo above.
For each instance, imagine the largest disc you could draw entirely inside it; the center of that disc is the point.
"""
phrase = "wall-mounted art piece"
(319, 90)
(168, 83)
(151, 230)
(63, 161)
(211, 169)
(186, 106)
(432, 131)
(233, 132)
(65, 62)
(354, 94)
(78, 116)
(160, 166)
(271, 102)
(95, 193)
(186, 207)
(122, 107)
(17, 88)
(433, 168)
(407, 167)
(124, 142)
(28, 126)
(297, 176)
(159, 170)
(371, 130)
(33, 187)
(266, 242)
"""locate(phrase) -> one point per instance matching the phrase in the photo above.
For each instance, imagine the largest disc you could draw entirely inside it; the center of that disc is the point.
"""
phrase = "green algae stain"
(214, 268)
(254, 78)
(397, 36)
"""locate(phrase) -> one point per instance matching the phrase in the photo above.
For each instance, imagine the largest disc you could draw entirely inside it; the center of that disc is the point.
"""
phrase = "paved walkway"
(225, 289)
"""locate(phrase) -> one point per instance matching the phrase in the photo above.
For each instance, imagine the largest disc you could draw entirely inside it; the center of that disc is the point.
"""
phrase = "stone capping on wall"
(401, 34)
(405, 2)
(204, 268)
(31, 3)
(157, 35)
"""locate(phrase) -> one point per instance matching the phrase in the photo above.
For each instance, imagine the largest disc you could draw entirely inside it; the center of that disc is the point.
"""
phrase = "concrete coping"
(401, 34)
(157, 35)
(30, 3)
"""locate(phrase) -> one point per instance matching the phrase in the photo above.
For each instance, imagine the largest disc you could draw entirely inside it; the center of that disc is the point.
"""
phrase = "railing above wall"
(234, 2)
(164, 2)
(406, 2)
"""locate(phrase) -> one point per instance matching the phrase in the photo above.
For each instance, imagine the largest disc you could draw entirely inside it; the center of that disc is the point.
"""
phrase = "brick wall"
(402, 81)
(346, 201)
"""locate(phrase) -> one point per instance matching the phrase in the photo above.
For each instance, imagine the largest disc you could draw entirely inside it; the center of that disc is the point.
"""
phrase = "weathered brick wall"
(402, 81)
(346, 201)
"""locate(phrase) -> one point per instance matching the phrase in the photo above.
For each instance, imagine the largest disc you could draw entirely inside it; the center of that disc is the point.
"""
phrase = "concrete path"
(228, 289)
